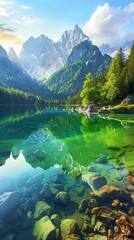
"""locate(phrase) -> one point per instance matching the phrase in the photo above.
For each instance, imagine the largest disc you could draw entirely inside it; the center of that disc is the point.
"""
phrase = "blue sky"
(103, 21)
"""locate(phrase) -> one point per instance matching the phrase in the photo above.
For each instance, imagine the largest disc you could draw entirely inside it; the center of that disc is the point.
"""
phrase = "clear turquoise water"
(53, 136)
(55, 141)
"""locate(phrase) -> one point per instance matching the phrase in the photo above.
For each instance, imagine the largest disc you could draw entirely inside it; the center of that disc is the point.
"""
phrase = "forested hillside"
(11, 96)
(116, 83)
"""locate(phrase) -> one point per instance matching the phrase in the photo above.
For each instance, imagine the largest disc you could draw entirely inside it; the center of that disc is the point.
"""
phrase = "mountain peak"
(12, 55)
(3, 52)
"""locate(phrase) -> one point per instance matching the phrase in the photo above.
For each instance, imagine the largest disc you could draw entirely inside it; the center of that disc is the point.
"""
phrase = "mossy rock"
(44, 229)
(41, 209)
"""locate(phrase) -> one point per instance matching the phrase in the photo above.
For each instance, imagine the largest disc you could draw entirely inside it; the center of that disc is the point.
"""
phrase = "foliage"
(115, 84)
(11, 96)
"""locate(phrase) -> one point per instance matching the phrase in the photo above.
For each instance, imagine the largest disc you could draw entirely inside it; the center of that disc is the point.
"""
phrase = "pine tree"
(130, 70)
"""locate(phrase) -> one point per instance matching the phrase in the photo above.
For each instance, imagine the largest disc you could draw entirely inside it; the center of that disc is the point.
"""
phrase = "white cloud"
(25, 7)
(29, 20)
(4, 13)
(5, 3)
(109, 24)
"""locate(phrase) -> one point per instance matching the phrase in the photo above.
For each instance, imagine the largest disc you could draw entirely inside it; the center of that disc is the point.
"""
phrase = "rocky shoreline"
(126, 106)
(50, 205)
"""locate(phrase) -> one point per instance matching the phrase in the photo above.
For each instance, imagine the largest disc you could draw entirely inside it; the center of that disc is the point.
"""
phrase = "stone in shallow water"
(35, 179)
(44, 229)
(9, 201)
(131, 178)
(110, 193)
(55, 220)
(69, 227)
(98, 237)
(62, 198)
(126, 226)
(46, 192)
(72, 237)
(41, 209)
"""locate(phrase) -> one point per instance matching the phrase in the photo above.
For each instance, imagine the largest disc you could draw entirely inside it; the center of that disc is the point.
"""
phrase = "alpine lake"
(65, 175)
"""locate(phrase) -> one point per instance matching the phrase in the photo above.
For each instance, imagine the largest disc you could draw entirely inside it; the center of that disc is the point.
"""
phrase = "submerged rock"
(46, 192)
(62, 198)
(97, 182)
(35, 179)
(9, 201)
(108, 192)
(105, 212)
(55, 220)
(126, 226)
(131, 179)
(44, 229)
(41, 209)
(69, 227)
(72, 237)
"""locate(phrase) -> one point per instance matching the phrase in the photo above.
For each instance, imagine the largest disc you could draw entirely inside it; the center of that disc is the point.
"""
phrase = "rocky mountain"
(41, 56)
(112, 51)
(12, 75)
(12, 55)
(84, 58)
(68, 40)
(3, 52)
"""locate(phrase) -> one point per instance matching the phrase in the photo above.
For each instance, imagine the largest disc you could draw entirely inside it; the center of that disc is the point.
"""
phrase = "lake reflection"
(53, 163)
(53, 136)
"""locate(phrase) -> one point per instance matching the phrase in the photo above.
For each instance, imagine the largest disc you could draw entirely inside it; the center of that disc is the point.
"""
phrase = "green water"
(54, 136)
(47, 152)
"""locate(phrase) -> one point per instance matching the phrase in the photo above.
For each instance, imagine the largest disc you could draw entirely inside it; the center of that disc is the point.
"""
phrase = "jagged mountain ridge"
(12, 75)
(112, 51)
(41, 56)
(84, 58)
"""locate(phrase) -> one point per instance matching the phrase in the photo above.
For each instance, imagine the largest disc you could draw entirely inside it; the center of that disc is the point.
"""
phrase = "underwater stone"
(99, 237)
(72, 237)
(55, 220)
(8, 202)
(83, 205)
(105, 212)
(131, 178)
(108, 192)
(92, 203)
(100, 227)
(126, 226)
(97, 182)
(46, 192)
(41, 209)
(35, 179)
(62, 198)
(44, 229)
(69, 227)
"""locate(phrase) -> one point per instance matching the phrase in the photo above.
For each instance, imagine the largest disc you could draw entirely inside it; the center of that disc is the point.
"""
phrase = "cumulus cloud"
(108, 24)
(5, 3)
(30, 20)
(25, 7)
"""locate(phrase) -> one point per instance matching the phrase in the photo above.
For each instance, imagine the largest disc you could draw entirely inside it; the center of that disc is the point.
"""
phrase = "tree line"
(115, 84)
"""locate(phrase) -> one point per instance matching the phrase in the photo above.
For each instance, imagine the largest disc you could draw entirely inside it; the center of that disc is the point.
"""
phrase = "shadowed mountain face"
(41, 56)
(12, 75)
(84, 58)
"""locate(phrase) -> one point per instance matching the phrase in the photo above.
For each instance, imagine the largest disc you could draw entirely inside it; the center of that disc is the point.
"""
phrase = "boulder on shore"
(128, 100)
